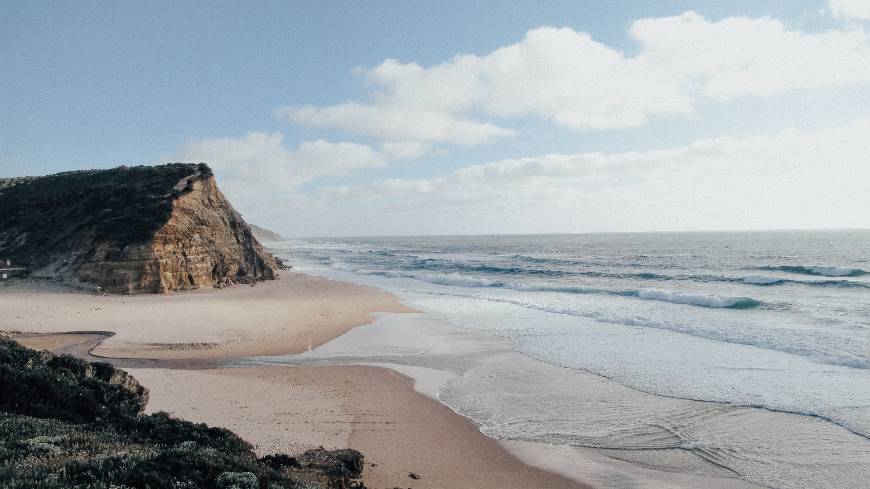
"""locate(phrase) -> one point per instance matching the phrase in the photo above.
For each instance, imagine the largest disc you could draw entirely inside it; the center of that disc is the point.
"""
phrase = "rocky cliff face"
(128, 230)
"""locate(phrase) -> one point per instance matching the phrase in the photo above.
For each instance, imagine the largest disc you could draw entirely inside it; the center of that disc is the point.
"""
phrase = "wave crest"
(762, 280)
(456, 279)
(818, 270)
(698, 300)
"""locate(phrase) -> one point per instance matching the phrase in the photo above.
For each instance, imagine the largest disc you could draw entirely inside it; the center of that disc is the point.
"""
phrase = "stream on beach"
(631, 360)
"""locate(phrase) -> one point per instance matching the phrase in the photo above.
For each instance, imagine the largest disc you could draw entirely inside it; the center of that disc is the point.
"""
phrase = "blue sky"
(286, 100)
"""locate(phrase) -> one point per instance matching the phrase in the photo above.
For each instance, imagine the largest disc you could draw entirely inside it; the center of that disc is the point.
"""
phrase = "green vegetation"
(67, 423)
(125, 204)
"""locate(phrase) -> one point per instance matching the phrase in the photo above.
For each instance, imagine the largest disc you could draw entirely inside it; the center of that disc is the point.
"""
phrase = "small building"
(8, 270)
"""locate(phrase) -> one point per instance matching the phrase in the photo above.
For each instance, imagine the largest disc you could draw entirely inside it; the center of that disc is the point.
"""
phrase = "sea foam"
(698, 300)
(818, 270)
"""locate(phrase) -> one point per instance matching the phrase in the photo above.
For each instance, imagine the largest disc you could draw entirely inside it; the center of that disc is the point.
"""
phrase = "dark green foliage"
(67, 423)
(49, 453)
(165, 430)
(56, 213)
(43, 385)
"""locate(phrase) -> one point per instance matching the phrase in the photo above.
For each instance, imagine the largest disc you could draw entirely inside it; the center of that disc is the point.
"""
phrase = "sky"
(455, 117)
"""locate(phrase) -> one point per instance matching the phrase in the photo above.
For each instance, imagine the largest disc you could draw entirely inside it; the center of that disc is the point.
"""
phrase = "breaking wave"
(762, 280)
(699, 300)
(818, 270)
(456, 279)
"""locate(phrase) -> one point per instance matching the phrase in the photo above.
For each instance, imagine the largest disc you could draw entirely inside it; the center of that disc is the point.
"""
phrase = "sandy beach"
(408, 439)
(290, 315)
(372, 409)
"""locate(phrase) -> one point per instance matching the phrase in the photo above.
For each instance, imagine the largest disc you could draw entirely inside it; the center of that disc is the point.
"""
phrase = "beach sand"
(372, 409)
(276, 317)
(277, 409)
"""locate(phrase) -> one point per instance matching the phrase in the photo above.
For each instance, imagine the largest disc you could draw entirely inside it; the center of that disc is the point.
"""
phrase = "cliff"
(130, 229)
(66, 423)
(264, 235)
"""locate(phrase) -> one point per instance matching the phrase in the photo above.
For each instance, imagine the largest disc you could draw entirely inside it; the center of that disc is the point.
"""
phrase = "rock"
(280, 461)
(333, 469)
(130, 229)
(281, 264)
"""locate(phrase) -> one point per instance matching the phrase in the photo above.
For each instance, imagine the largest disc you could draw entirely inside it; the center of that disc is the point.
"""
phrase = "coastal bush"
(44, 385)
(67, 423)
(237, 480)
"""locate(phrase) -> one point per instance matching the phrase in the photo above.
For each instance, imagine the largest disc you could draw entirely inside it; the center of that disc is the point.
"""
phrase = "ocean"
(724, 355)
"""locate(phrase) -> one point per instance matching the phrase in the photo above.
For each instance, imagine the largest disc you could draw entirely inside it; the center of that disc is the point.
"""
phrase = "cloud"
(408, 150)
(395, 123)
(557, 74)
(739, 56)
(855, 9)
(258, 168)
(793, 179)
(566, 77)
(262, 158)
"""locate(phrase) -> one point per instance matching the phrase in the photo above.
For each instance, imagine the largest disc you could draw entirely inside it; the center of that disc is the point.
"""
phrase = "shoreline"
(372, 408)
(433, 350)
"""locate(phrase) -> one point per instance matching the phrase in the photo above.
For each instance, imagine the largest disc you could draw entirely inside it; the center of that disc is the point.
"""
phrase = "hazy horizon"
(376, 119)
(696, 231)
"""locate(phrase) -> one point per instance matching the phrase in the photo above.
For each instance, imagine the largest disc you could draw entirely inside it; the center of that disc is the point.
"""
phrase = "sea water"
(722, 354)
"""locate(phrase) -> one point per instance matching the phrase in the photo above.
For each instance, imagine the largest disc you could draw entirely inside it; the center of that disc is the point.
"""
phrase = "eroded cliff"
(130, 229)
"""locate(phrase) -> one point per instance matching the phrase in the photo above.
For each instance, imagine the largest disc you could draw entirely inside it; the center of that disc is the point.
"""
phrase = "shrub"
(67, 423)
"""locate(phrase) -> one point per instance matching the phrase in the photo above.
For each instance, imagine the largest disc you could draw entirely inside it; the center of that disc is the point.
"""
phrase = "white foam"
(760, 280)
(454, 278)
(835, 271)
(692, 299)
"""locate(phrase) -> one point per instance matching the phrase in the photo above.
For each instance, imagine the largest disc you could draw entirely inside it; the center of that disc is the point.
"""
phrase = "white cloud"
(792, 179)
(407, 150)
(552, 73)
(263, 158)
(258, 168)
(856, 9)
(739, 56)
(566, 77)
(395, 123)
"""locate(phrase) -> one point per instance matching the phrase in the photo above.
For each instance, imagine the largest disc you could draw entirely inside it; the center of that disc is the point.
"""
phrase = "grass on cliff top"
(125, 205)
(67, 423)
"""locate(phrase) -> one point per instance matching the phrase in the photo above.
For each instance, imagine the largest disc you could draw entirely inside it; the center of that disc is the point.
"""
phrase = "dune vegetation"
(68, 423)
